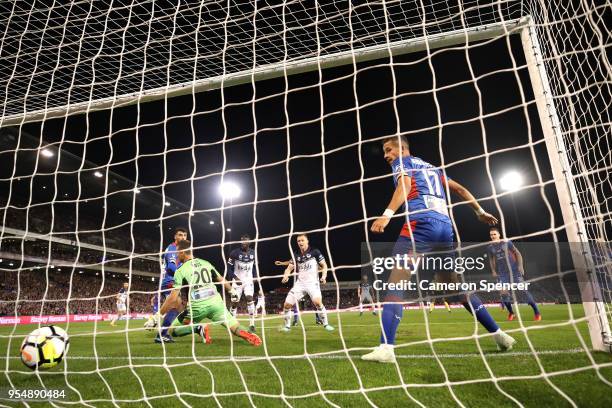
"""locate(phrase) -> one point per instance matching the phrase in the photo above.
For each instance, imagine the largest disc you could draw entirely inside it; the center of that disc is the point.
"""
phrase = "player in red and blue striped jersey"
(170, 263)
(428, 227)
(507, 267)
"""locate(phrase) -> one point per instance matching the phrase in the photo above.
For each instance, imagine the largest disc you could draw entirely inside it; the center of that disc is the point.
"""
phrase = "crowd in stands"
(74, 293)
(68, 292)
(64, 226)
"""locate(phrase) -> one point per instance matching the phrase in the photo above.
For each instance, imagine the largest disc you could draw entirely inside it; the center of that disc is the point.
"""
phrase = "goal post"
(573, 221)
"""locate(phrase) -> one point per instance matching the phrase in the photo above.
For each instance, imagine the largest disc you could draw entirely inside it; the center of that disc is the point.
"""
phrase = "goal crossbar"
(430, 41)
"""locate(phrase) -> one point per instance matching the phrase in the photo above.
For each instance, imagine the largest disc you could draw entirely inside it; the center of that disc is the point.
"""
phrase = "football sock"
(168, 319)
(251, 310)
(295, 314)
(482, 314)
(531, 302)
(507, 303)
(180, 331)
(288, 316)
(391, 317)
(322, 315)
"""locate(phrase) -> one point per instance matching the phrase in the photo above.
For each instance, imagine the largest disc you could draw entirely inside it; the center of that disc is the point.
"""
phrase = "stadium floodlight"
(229, 190)
(229, 230)
(167, 204)
(47, 152)
(511, 181)
(211, 222)
(98, 174)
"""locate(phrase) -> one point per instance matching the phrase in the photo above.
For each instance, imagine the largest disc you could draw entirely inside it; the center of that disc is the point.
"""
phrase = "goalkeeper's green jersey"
(196, 279)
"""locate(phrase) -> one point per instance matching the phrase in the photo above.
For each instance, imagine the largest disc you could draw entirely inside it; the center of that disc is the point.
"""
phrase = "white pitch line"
(328, 357)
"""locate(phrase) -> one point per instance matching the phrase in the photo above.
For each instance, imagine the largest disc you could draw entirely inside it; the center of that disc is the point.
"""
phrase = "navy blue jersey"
(365, 287)
(503, 253)
(308, 264)
(242, 264)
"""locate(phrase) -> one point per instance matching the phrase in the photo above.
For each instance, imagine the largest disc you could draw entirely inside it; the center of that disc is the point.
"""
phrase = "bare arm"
(465, 194)
(519, 259)
(398, 198)
(281, 263)
(323, 270)
(493, 266)
(287, 273)
(359, 291)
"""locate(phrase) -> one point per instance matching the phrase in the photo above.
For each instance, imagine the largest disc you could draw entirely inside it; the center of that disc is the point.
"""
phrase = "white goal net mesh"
(120, 119)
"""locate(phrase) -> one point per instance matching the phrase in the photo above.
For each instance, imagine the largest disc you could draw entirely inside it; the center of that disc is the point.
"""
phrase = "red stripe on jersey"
(414, 193)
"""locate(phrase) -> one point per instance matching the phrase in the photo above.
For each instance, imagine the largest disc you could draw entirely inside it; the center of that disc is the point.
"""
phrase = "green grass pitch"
(310, 367)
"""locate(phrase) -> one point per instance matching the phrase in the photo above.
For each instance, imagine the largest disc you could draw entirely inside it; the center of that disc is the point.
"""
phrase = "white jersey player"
(242, 267)
(364, 291)
(307, 261)
(122, 298)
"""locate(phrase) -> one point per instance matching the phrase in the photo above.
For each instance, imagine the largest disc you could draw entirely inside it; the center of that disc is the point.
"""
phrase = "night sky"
(165, 148)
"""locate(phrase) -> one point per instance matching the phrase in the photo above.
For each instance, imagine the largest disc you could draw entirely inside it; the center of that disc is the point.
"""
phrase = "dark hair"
(184, 245)
(245, 236)
(494, 228)
(301, 235)
(402, 139)
(180, 229)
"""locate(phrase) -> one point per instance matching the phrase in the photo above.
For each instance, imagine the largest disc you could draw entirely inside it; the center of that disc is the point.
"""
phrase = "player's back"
(427, 196)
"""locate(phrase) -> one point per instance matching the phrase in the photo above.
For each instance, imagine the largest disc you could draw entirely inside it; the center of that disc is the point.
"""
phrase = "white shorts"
(247, 288)
(366, 297)
(121, 307)
(299, 290)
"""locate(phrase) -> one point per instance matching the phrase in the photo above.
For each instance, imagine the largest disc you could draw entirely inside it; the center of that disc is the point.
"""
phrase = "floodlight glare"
(229, 190)
(511, 181)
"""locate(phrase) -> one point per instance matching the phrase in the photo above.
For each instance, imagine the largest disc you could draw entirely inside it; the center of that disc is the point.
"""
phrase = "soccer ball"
(44, 348)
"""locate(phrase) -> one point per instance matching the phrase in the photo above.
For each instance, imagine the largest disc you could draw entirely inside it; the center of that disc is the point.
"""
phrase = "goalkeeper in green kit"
(194, 286)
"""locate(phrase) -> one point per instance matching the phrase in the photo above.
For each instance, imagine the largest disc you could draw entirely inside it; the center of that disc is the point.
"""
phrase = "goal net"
(120, 120)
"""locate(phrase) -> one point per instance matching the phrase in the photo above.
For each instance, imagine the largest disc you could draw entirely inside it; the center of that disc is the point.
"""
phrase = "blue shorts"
(155, 308)
(428, 234)
(166, 289)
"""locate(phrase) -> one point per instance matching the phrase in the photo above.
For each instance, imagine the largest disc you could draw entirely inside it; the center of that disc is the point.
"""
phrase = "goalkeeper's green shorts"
(212, 309)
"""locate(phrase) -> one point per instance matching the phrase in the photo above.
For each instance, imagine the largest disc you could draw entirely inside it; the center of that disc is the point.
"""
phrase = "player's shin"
(168, 319)
(322, 314)
(251, 310)
(391, 316)
(288, 317)
(531, 302)
(507, 301)
(475, 306)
